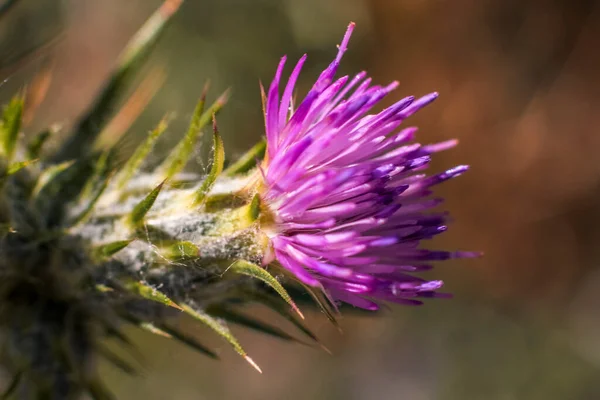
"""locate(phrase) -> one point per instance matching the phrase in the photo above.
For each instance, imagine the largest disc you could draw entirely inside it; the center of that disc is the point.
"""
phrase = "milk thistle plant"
(333, 204)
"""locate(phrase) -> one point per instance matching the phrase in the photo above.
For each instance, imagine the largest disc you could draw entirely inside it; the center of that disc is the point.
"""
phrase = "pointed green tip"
(35, 146)
(222, 100)
(180, 155)
(135, 161)
(249, 160)
(221, 329)
(247, 268)
(110, 249)
(95, 197)
(215, 170)
(49, 174)
(10, 125)
(136, 218)
(17, 166)
(204, 93)
(151, 293)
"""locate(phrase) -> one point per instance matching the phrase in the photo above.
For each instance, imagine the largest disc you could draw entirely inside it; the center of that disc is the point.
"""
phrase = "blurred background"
(520, 87)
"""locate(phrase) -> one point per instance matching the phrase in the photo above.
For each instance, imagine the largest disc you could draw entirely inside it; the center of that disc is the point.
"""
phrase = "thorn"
(136, 217)
(205, 90)
(254, 365)
(297, 310)
(169, 7)
(153, 329)
(222, 100)
(325, 349)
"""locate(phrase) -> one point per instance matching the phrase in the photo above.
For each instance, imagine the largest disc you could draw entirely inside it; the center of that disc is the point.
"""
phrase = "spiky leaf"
(151, 293)
(17, 166)
(102, 167)
(215, 170)
(133, 164)
(13, 169)
(34, 147)
(89, 207)
(247, 268)
(220, 329)
(180, 155)
(110, 249)
(10, 126)
(49, 175)
(136, 217)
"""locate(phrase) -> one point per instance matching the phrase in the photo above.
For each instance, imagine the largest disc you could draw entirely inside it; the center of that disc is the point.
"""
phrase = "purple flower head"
(349, 205)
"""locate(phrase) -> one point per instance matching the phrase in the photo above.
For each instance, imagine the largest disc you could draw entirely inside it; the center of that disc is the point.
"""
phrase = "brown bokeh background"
(520, 87)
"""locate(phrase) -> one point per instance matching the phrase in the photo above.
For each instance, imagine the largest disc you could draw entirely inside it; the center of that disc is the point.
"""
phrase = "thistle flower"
(349, 208)
(88, 246)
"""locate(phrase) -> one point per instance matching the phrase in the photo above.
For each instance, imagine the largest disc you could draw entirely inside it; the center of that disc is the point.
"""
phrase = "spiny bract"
(88, 246)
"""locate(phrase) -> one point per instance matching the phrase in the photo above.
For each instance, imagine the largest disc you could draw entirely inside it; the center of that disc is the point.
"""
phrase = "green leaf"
(248, 161)
(49, 174)
(176, 249)
(247, 268)
(188, 340)
(13, 169)
(102, 167)
(17, 166)
(136, 218)
(58, 199)
(110, 249)
(180, 155)
(10, 126)
(103, 288)
(221, 330)
(150, 293)
(87, 211)
(129, 64)
(133, 164)
(215, 170)
(34, 147)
